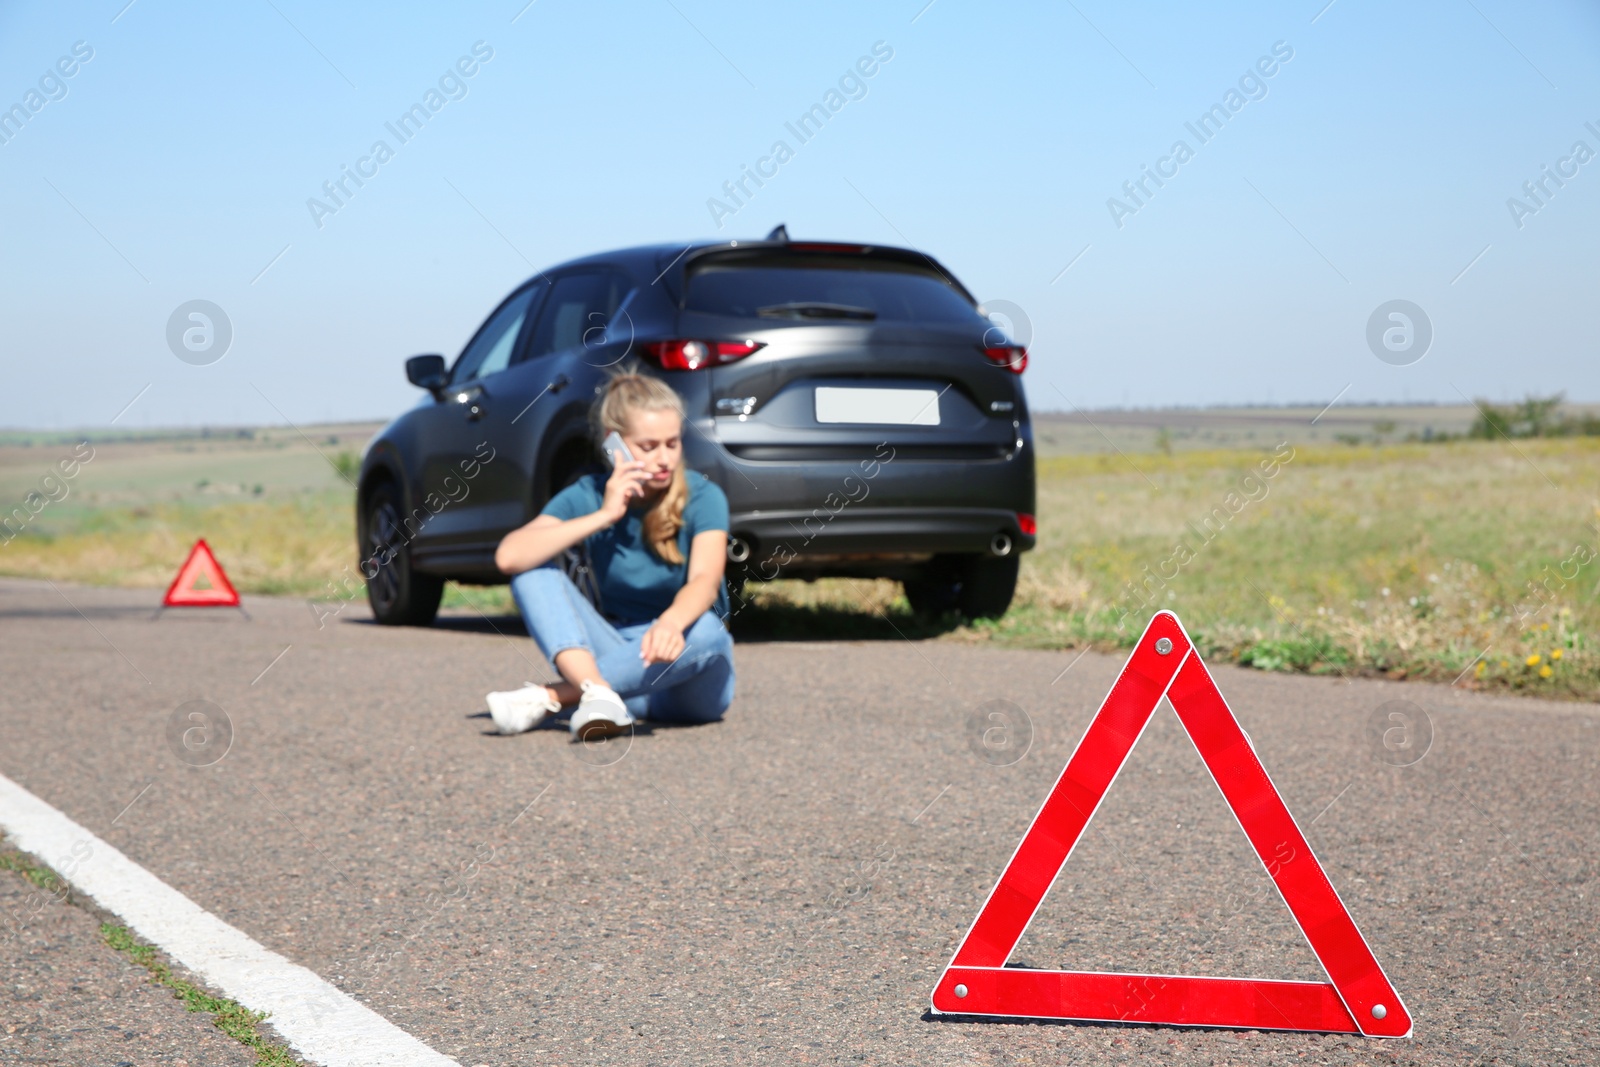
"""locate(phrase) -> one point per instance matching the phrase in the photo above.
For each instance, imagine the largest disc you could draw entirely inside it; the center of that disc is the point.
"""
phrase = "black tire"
(933, 592)
(975, 586)
(987, 585)
(572, 461)
(737, 579)
(399, 595)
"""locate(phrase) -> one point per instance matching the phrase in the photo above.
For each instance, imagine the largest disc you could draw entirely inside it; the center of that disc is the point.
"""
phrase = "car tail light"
(1013, 358)
(1027, 524)
(692, 354)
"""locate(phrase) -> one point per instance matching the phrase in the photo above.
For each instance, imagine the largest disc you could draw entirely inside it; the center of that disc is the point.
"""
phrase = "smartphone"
(615, 450)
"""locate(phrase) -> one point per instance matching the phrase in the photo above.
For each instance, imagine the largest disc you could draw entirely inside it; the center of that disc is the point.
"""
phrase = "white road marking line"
(324, 1025)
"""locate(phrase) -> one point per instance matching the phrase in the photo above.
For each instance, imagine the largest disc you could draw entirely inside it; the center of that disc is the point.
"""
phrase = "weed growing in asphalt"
(229, 1016)
(41, 876)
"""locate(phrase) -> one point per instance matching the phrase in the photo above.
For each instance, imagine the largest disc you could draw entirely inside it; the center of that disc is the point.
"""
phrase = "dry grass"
(292, 546)
(1405, 560)
(1400, 560)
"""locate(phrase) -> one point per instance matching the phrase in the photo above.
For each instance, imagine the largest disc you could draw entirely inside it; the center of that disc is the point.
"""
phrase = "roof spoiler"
(780, 235)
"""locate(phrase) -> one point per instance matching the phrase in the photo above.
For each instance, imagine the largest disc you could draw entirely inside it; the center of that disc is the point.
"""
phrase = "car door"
(462, 439)
(569, 349)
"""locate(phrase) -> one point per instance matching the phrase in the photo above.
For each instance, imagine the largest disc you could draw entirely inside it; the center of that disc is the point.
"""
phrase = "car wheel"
(572, 461)
(934, 590)
(399, 595)
(987, 585)
(977, 586)
(737, 579)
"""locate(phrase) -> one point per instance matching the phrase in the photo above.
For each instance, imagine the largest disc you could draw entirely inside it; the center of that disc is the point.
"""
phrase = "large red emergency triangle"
(182, 593)
(1358, 999)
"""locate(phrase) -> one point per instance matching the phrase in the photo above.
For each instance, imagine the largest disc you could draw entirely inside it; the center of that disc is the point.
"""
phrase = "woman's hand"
(662, 643)
(626, 483)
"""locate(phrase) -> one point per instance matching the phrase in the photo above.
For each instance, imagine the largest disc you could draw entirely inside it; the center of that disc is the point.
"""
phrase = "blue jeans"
(696, 687)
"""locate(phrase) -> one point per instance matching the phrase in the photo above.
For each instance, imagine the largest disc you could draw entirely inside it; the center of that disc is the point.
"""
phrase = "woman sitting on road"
(657, 535)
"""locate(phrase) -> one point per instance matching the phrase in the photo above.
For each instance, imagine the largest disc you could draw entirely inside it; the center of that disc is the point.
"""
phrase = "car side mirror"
(427, 372)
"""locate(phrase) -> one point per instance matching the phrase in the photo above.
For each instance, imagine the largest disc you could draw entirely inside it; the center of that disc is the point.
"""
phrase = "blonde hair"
(625, 394)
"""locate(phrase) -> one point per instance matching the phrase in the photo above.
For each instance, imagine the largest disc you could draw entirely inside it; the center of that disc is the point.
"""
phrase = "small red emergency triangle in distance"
(1358, 999)
(182, 593)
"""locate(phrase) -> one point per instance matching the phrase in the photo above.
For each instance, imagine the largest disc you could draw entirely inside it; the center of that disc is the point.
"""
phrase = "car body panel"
(823, 498)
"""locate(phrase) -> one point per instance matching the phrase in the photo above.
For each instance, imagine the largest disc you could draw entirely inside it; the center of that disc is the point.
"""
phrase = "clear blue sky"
(1378, 165)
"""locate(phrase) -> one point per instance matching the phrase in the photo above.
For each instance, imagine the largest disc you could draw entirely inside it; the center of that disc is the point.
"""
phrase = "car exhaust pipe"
(1000, 545)
(738, 550)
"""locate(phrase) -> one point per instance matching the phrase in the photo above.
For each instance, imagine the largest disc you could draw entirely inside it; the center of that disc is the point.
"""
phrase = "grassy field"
(1472, 562)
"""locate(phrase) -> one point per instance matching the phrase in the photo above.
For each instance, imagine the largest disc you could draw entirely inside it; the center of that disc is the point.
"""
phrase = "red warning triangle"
(1358, 999)
(200, 564)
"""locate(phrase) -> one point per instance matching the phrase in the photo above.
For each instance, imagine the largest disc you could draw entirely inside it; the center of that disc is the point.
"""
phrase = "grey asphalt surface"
(786, 886)
(68, 999)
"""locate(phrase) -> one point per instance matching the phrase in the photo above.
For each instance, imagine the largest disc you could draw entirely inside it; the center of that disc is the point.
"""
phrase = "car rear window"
(891, 292)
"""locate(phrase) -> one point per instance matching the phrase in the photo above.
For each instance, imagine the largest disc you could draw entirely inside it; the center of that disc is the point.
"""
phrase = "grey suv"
(862, 414)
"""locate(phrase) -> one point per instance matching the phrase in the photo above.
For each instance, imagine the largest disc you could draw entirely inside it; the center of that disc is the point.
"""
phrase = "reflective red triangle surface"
(201, 563)
(1358, 997)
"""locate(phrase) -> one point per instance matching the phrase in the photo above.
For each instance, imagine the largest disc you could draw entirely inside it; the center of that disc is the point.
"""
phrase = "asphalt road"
(785, 886)
(68, 999)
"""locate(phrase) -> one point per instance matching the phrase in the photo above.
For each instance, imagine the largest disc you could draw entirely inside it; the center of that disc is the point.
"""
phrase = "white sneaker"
(601, 713)
(522, 709)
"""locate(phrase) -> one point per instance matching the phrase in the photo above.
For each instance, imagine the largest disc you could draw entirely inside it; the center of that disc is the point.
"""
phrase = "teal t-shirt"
(635, 584)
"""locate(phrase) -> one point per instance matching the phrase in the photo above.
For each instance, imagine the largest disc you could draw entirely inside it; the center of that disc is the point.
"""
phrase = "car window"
(793, 286)
(578, 312)
(491, 349)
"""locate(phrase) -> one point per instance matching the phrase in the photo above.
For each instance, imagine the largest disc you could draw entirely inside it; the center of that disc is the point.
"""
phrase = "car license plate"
(895, 407)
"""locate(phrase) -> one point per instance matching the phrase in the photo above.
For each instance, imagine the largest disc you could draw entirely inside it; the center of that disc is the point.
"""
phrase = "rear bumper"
(866, 540)
(880, 509)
